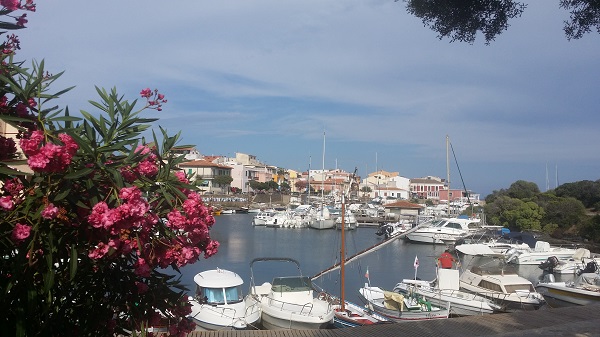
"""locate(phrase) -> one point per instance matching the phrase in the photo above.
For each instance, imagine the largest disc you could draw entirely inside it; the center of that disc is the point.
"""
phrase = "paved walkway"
(580, 321)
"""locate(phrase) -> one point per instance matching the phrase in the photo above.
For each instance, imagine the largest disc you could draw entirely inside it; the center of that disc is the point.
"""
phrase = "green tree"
(522, 189)
(516, 214)
(586, 191)
(463, 20)
(565, 212)
(223, 180)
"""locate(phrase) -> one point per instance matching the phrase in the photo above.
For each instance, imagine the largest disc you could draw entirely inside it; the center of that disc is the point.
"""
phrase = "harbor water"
(317, 250)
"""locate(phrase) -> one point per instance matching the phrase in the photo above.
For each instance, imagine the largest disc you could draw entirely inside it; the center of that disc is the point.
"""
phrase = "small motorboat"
(289, 302)
(219, 304)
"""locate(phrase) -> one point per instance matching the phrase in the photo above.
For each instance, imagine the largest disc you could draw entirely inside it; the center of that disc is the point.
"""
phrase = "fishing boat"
(445, 292)
(289, 302)
(218, 303)
(400, 308)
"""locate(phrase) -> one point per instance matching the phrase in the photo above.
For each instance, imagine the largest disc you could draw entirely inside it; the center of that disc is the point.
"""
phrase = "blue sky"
(269, 77)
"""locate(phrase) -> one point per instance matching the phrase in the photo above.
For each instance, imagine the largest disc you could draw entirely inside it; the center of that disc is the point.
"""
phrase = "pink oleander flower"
(211, 249)
(146, 93)
(31, 144)
(50, 212)
(13, 186)
(142, 268)
(99, 252)
(20, 233)
(181, 177)
(11, 5)
(7, 203)
(147, 168)
(130, 193)
(8, 148)
(141, 287)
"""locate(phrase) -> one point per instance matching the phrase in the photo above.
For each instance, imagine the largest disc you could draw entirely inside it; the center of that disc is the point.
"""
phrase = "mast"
(343, 256)
(448, 169)
(323, 178)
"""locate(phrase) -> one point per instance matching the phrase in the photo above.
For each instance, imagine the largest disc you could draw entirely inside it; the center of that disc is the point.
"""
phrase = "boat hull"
(273, 319)
(459, 302)
(322, 224)
(559, 291)
(376, 303)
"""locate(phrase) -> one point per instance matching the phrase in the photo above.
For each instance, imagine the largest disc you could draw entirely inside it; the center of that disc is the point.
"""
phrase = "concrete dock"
(580, 321)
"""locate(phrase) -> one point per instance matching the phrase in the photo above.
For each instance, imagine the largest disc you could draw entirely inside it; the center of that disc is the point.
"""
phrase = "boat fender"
(425, 303)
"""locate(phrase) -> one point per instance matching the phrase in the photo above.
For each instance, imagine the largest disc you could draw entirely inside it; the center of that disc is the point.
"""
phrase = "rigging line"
(460, 174)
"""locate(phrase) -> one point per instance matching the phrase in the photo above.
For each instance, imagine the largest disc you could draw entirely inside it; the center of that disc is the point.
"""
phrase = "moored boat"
(399, 308)
(289, 302)
(445, 292)
(219, 303)
(583, 291)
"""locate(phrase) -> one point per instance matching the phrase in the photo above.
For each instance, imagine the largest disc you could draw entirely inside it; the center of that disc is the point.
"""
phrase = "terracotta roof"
(203, 163)
(402, 204)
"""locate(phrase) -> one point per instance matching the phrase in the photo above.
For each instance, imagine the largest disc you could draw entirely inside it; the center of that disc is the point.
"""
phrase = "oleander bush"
(95, 221)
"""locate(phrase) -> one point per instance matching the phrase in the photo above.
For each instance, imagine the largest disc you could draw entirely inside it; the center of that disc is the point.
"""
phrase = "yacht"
(501, 283)
(443, 231)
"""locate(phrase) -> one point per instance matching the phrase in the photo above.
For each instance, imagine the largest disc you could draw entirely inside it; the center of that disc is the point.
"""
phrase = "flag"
(416, 262)
(367, 273)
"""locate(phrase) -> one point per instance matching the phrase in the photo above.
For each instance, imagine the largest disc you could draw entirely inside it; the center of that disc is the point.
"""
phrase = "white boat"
(499, 244)
(392, 229)
(443, 231)
(539, 254)
(260, 219)
(289, 302)
(349, 221)
(502, 284)
(400, 308)
(581, 261)
(583, 291)
(219, 304)
(322, 219)
(445, 291)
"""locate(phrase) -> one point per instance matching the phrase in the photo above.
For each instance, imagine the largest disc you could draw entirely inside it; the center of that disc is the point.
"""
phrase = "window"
(490, 286)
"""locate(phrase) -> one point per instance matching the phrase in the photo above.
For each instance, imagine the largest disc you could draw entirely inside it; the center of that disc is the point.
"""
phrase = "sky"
(341, 84)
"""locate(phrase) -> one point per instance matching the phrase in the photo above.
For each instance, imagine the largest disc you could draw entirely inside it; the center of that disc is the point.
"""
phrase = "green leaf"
(73, 263)
(79, 174)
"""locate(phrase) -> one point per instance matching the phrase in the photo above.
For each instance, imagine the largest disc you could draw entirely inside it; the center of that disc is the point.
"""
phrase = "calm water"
(316, 250)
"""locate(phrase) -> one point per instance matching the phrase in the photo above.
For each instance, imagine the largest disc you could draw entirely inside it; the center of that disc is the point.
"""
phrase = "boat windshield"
(438, 223)
(513, 288)
(220, 295)
(290, 284)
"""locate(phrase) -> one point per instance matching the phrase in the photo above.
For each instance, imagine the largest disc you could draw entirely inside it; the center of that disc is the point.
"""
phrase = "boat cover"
(393, 300)
(588, 280)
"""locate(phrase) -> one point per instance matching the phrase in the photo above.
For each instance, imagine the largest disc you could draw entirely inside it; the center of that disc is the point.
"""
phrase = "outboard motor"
(511, 254)
(549, 264)
(590, 267)
(548, 278)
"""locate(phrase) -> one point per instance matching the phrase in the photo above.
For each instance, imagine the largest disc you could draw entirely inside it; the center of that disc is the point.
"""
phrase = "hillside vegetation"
(570, 211)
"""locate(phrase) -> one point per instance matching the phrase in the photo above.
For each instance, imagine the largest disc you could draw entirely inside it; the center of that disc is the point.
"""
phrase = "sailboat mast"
(448, 170)
(323, 178)
(343, 257)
